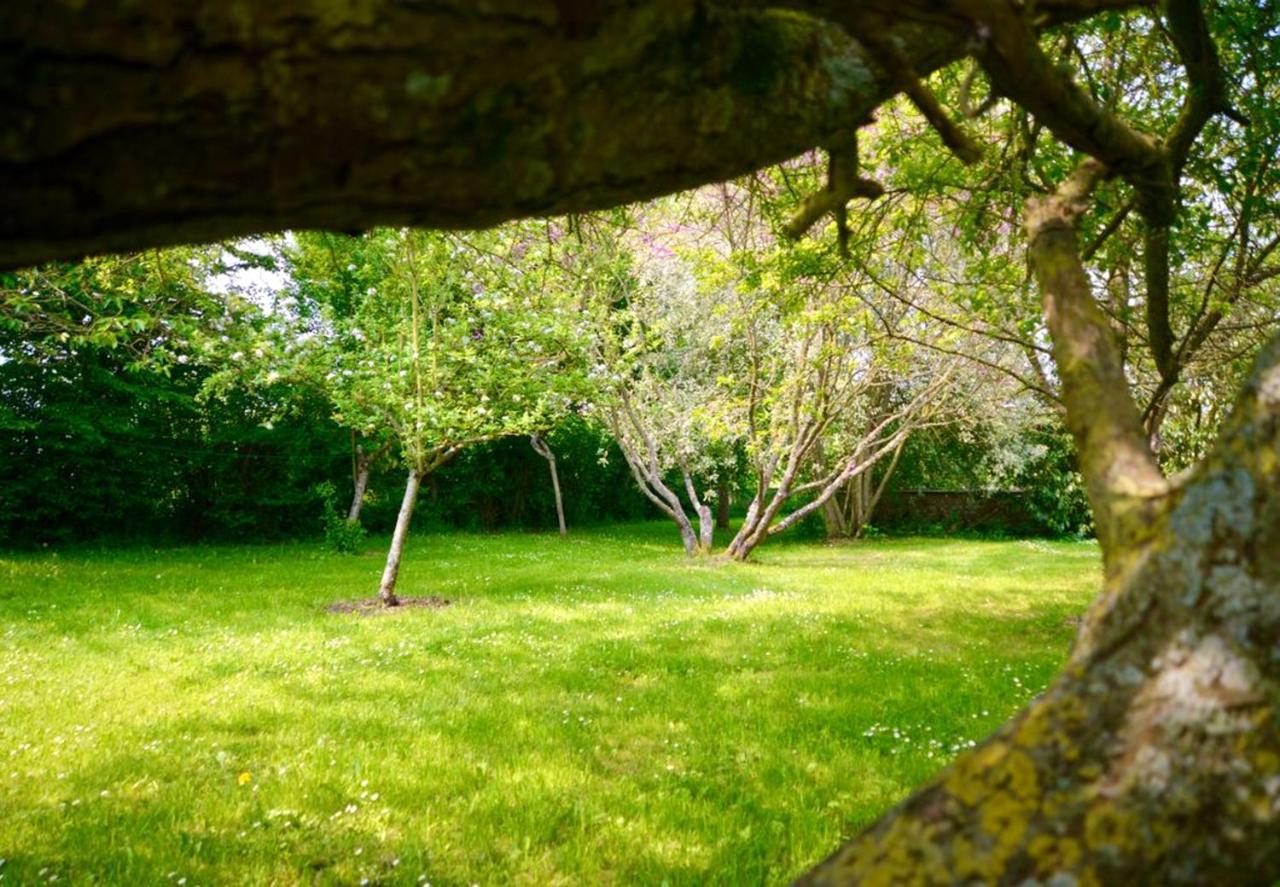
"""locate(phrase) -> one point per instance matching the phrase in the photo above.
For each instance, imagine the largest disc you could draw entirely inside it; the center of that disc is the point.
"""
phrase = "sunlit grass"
(589, 711)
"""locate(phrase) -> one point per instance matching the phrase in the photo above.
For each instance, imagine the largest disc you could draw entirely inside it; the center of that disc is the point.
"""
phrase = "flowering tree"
(660, 358)
(442, 359)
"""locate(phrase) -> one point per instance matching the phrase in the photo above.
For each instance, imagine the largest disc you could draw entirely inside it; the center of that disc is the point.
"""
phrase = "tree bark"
(363, 468)
(391, 572)
(364, 463)
(126, 125)
(1155, 756)
(540, 447)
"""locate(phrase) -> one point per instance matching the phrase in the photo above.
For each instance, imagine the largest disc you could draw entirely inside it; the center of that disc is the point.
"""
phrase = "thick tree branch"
(125, 125)
(1119, 469)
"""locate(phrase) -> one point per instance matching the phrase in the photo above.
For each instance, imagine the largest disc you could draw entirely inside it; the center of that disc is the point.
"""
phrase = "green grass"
(591, 711)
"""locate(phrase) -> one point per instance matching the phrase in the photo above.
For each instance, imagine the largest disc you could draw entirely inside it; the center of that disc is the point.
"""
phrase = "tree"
(659, 356)
(1157, 752)
(443, 361)
(107, 427)
(330, 276)
(824, 399)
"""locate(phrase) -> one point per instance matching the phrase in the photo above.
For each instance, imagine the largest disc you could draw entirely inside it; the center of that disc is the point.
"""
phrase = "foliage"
(341, 536)
(1053, 487)
(91, 447)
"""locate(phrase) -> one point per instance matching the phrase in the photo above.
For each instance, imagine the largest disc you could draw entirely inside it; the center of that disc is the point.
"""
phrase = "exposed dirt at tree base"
(375, 607)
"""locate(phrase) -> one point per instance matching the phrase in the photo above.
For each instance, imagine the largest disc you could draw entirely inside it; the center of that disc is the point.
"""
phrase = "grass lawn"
(591, 711)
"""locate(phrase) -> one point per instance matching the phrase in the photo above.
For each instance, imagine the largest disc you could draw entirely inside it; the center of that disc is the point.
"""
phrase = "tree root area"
(376, 607)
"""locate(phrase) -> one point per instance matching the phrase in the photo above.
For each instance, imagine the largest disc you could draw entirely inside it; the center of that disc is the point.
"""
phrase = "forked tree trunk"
(847, 514)
(762, 519)
(387, 588)
(1155, 755)
(540, 447)
(706, 522)
(640, 449)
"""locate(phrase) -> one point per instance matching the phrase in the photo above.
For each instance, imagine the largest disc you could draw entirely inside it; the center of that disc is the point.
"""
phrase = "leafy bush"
(340, 535)
(1055, 491)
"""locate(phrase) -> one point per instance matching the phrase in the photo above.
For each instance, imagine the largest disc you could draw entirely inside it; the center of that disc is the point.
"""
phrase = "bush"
(340, 535)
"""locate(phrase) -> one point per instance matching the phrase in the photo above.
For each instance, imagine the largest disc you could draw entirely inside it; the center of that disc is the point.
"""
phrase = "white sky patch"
(260, 286)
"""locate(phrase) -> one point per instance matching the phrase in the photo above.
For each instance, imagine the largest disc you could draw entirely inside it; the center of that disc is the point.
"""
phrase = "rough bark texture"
(391, 572)
(130, 124)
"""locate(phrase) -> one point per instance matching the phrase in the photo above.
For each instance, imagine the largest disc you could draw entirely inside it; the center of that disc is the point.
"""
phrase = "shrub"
(340, 535)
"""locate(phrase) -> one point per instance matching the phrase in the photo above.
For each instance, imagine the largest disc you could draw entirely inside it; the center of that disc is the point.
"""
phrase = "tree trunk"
(706, 528)
(1155, 755)
(833, 511)
(706, 522)
(387, 588)
(540, 447)
(363, 467)
(641, 453)
(722, 504)
(853, 510)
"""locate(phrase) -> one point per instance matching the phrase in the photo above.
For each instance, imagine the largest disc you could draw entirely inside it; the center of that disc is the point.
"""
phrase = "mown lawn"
(590, 711)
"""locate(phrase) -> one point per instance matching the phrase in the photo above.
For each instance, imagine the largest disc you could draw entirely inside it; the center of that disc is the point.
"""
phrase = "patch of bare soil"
(375, 607)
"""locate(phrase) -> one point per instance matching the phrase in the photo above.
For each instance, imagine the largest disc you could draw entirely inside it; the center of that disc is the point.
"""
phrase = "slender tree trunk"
(706, 528)
(363, 468)
(706, 521)
(387, 588)
(542, 449)
(833, 518)
(847, 513)
(688, 537)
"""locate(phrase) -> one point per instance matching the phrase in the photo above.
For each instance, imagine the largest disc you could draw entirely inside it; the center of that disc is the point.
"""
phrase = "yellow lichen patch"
(1005, 817)
(970, 863)
(1106, 825)
(1054, 854)
(907, 854)
(1035, 727)
(1021, 777)
(1090, 772)
(969, 779)
(1050, 723)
